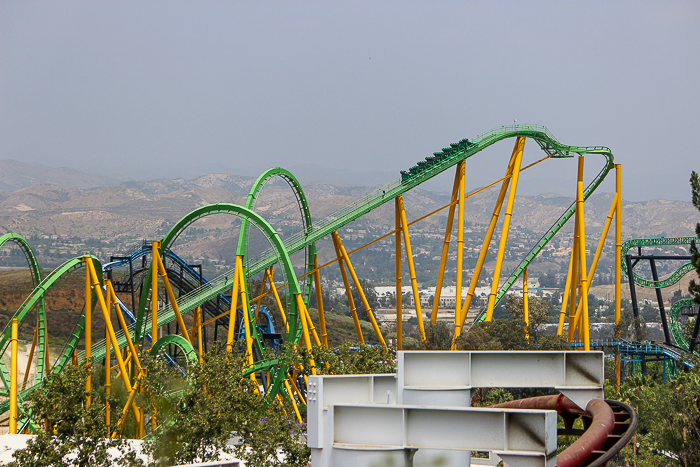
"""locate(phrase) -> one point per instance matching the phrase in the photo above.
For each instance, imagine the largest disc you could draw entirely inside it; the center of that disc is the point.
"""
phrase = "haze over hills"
(15, 175)
(120, 214)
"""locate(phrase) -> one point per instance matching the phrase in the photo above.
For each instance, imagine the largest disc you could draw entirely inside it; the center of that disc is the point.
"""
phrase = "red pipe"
(591, 440)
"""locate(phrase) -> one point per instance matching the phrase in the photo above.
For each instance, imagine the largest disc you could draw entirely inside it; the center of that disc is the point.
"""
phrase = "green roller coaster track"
(661, 241)
(675, 324)
(33, 300)
(303, 204)
(41, 309)
(280, 251)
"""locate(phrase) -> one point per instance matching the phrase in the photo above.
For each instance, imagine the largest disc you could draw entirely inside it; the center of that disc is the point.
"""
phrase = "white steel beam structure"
(365, 435)
(447, 378)
(441, 383)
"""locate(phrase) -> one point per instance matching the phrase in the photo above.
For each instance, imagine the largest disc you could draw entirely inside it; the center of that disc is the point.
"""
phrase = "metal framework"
(423, 413)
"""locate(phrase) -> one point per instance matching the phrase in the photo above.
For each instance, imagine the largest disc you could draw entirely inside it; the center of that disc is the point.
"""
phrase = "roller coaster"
(225, 306)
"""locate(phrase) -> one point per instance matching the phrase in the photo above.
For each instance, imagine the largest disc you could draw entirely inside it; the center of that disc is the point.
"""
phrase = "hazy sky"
(144, 89)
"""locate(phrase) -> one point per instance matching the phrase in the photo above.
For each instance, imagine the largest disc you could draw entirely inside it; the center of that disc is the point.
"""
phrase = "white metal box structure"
(422, 414)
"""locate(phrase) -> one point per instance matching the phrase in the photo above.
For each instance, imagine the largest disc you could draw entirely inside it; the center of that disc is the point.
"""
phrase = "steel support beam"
(367, 435)
(660, 300)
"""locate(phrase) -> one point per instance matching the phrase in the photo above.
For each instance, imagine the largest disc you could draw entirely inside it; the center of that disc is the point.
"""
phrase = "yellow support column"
(519, 145)
(307, 341)
(411, 268)
(171, 296)
(358, 286)
(154, 291)
(88, 333)
(312, 329)
(348, 293)
(246, 314)
(31, 358)
(108, 323)
(485, 247)
(565, 299)
(574, 282)
(596, 258)
(234, 306)
(112, 298)
(399, 290)
(526, 307)
(108, 381)
(277, 299)
(294, 402)
(445, 245)
(319, 303)
(460, 243)
(618, 266)
(13, 378)
(198, 324)
(260, 297)
(582, 258)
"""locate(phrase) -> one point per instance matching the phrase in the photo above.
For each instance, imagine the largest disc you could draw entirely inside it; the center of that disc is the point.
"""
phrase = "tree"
(477, 338)
(538, 312)
(196, 416)
(214, 403)
(348, 359)
(510, 333)
(499, 334)
(438, 336)
(549, 280)
(694, 287)
(631, 328)
(370, 295)
(80, 436)
(669, 417)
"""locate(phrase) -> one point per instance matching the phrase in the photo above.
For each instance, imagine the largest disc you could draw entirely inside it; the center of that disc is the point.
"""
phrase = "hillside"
(64, 222)
(15, 175)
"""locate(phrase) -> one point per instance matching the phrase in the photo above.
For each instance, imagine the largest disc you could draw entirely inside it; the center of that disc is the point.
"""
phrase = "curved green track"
(675, 324)
(32, 301)
(41, 308)
(280, 251)
(303, 204)
(661, 241)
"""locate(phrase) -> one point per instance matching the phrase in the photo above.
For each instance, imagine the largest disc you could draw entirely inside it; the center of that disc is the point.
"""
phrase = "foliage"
(502, 334)
(213, 404)
(631, 328)
(551, 342)
(538, 312)
(80, 436)
(478, 338)
(694, 287)
(498, 396)
(669, 417)
(549, 280)
(510, 333)
(195, 417)
(371, 296)
(507, 334)
(438, 336)
(688, 327)
(351, 360)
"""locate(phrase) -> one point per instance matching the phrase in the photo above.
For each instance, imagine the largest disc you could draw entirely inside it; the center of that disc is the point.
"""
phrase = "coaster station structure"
(200, 303)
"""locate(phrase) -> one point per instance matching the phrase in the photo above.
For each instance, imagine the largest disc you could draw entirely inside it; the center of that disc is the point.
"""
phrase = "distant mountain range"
(15, 175)
(39, 200)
